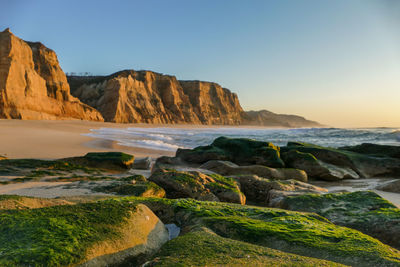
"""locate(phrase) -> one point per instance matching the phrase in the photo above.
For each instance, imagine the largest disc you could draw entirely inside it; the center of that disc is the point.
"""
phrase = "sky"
(336, 62)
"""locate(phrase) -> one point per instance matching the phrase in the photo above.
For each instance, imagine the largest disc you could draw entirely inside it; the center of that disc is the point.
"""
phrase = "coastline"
(53, 139)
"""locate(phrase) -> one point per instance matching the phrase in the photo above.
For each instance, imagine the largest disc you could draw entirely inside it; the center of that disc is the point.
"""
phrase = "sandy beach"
(59, 139)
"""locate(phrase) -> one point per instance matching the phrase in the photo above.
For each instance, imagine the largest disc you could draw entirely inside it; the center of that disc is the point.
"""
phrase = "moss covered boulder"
(180, 184)
(317, 169)
(241, 151)
(202, 247)
(92, 234)
(270, 193)
(363, 165)
(9, 202)
(136, 185)
(375, 150)
(229, 168)
(104, 160)
(364, 210)
(306, 234)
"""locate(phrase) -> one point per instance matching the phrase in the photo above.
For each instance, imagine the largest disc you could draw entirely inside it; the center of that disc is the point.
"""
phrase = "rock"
(100, 233)
(375, 150)
(229, 168)
(142, 164)
(270, 193)
(317, 169)
(306, 234)
(241, 151)
(214, 250)
(148, 97)
(9, 202)
(268, 118)
(104, 160)
(365, 166)
(392, 186)
(179, 184)
(363, 210)
(136, 185)
(33, 86)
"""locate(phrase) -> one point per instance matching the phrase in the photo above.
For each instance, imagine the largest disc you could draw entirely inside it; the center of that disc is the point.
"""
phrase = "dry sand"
(59, 139)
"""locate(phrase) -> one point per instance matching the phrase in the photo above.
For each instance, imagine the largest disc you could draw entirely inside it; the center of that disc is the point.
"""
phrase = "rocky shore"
(233, 202)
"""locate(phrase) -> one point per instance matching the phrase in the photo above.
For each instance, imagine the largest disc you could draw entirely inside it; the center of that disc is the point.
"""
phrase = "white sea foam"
(169, 139)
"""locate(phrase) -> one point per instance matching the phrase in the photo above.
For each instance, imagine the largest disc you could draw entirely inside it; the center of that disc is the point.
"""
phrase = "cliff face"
(33, 86)
(149, 97)
(268, 118)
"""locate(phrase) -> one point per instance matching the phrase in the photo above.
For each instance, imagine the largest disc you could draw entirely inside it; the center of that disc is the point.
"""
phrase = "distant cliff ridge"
(33, 86)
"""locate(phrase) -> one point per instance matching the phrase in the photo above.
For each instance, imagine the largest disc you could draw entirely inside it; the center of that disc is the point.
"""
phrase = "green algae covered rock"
(364, 210)
(305, 234)
(178, 184)
(202, 247)
(241, 151)
(363, 165)
(68, 235)
(104, 160)
(375, 150)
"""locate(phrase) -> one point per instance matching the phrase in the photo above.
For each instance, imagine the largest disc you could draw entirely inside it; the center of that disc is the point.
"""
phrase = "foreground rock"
(10, 202)
(33, 86)
(228, 169)
(364, 211)
(375, 150)
(343, 163)
(271, 193)
(317, 169)
(104, 160)
(199, 186)
(136, 185)
(90, 234)
(202, 247)
(393, 186)
(305, 234)
(241, 151)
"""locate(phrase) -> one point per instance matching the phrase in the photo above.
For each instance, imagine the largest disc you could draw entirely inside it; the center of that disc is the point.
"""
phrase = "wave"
(170, 139)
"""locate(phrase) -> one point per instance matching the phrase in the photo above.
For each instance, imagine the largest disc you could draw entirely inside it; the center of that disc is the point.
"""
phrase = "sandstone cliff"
(149, 97)
(33, 86)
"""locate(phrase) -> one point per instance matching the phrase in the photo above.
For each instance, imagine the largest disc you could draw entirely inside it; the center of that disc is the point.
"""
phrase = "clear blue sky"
(337, 62)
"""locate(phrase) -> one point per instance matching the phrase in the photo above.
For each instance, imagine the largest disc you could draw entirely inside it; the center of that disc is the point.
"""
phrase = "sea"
(172, 138)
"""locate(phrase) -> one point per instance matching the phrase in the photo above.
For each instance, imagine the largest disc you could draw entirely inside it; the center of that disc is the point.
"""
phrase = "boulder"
(99, 233)
(104, 160)
(364, 210)
(179, 184)
(315, 168)
(392, 186)
(229, 168)
(270, 193)
(136, 185)
(375, 150)
(302, 233)
(365, 166)
(142, 164)
(241, 151)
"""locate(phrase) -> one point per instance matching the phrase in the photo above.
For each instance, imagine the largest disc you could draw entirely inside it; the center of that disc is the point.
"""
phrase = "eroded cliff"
(33, 86)
(149, 97)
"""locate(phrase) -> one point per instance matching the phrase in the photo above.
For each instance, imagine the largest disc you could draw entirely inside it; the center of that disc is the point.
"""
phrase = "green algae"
(205, 248)
(306, 234)
(60, 235)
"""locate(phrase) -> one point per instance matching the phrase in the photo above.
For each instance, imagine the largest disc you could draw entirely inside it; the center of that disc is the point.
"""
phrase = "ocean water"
(170, 138)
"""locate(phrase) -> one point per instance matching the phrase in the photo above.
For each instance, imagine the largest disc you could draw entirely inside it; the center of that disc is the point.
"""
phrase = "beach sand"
(60, 139)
